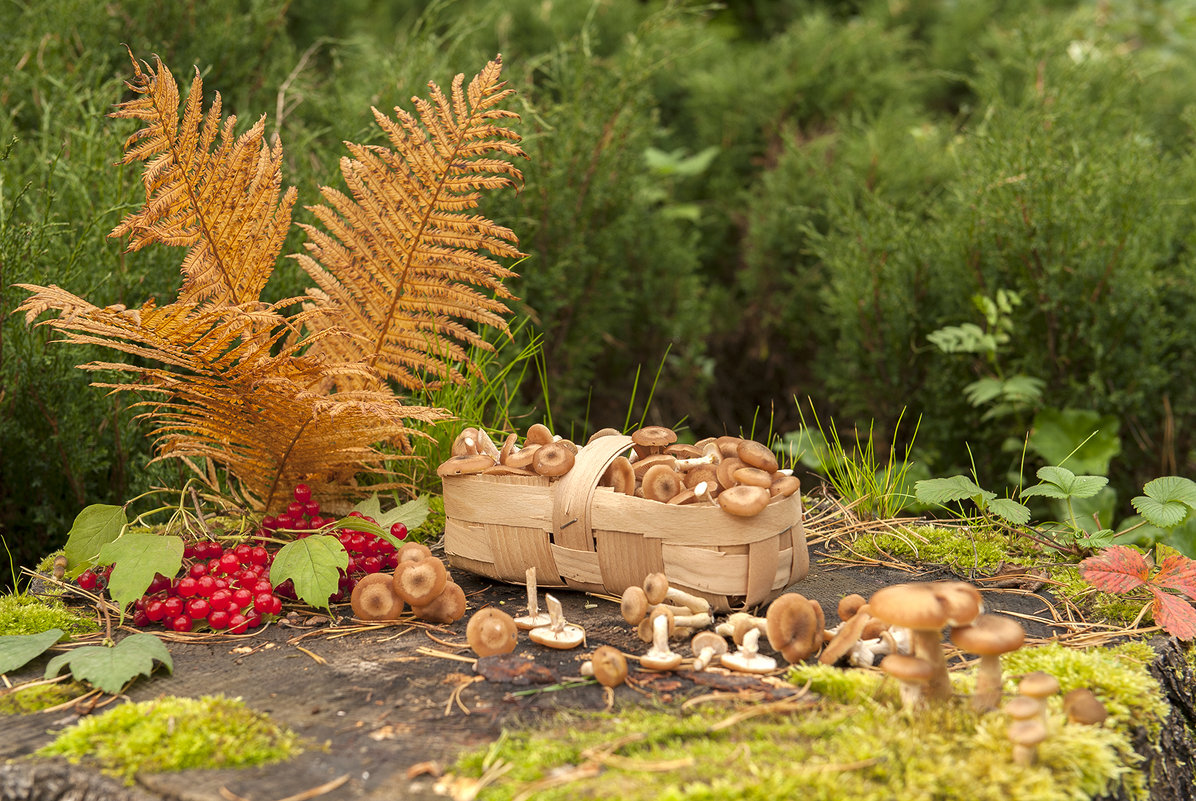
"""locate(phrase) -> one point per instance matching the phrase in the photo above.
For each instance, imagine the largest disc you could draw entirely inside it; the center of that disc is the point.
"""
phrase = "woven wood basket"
(585, 537)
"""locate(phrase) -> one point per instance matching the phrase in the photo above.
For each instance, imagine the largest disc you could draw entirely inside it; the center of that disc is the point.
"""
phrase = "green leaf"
(412, 514)
(1010, 510)
(955, 488)
(94, 527)
(111, 667)
(18, 650)
(136, 558)
(1057, 433)
(313, 564)
(1167, 500)
(1061, 483)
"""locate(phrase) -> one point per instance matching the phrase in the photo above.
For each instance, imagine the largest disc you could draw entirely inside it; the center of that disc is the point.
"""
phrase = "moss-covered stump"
(1170, 762)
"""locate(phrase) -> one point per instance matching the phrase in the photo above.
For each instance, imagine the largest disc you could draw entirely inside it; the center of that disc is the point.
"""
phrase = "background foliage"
(766, 200)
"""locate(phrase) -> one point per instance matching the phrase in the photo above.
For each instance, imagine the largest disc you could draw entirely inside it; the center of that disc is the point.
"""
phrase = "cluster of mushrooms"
(420, 581)
(741, 475)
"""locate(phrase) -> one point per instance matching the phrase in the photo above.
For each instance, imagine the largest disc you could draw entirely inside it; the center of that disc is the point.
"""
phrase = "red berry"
(275, 608)
(229, 563)
(259, 556)
(173, 606)
(318, 522)
(212, 550)
(311, 508)
(263, 602)
(357, 543)
(391, 560)
(237, 624)
(221, 584)
(269, 523)
(285, 521)
(181, 623)
(302, 493)
(221, 599)
(198, 569)
(398, 531)
(242, 597)
(262, 585)
(159, 583)
(187, 587)
(218, 619)
(213, 565)
(371, 564)
(242, 551)
(87, 580)
(207, 585)
(189, 551)
(155, 610)
(295, 510)
(140, 619)
(253, 620)
(198, 608)
(383, 547)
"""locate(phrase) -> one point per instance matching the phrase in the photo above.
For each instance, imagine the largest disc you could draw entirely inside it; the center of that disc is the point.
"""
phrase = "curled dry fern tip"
(233, 381)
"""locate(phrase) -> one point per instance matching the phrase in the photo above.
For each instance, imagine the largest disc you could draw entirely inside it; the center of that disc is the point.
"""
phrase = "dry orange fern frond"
(404, 264)
(224, 202)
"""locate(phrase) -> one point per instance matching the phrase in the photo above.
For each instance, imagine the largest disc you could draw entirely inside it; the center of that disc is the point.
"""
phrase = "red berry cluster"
(230, 589)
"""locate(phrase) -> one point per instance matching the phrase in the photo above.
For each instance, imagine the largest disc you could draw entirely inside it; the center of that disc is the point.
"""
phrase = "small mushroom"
(738, 624)
(510, 445)
(538, 434)
(447, 607)
(634, 604)
(1082, 706)
(486, 445)
(918, 608)
(846, 637)
(705, 646)
(659, 657)
(522, 458)
(656, 587)
(534, 616)
(660, 483)
(491, 631)
(1040, 686)
(989, 637)
(747, 658)
(793, 627)
(912, 673)
(559, 633)
(419, 583)
(374, 598)
(553, 460)
(784, 485)
(1025, 736)
(849, 604)
(466, 442)
(744, 500)
(1022, 707)
(757, 454)
(413, 551)
(653, 583)
(652, 439)
(753, 476)
(620, 476)
(725, 472)
(607, 665)
(464, 465)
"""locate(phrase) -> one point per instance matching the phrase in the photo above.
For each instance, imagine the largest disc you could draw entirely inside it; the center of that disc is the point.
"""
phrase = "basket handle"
(573, 494)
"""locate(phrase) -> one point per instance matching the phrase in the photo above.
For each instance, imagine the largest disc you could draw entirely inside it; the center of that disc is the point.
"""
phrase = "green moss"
(964, 548)
(23, 700)
(27, 614)
(1098, 606)
(172, 733)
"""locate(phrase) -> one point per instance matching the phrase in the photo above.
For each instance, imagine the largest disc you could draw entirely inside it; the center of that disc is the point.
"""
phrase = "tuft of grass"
(172, 733)
(21, 613)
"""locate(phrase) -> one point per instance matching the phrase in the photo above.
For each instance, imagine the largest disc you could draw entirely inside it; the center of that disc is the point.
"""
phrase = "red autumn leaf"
(1119, 568)
(1177, 572)
(1174, 614)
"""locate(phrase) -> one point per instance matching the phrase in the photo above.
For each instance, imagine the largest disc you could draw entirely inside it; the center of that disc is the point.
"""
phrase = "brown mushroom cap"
(491, 631)
(989, 635)
(538, 434)
(634, 604)
(725, 471)
(654, 436)
(466, 442)
(374, 598)
(744, 500)
(487, 446)
(1023, 707)
(699, 473)
(849, 605)
(914, 606)
(907, 668)
(523, 457)
(784, 485)
(419, 583)
(447, 607)
(793, 628)
(680, 450)
(660, 483)
(412, 551)
(756, 454)
(728, 445)
(643, 464)
(507, 470)
(1082, 706)
(753, 476)
(553, 460)
(1039, 684)
(656, 587)
(620, 475)
(464, 465)
(961, 601)
(609, 666)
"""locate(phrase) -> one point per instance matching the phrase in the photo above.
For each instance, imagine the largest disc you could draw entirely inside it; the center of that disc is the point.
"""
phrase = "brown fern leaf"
(404, 265)
(221, 201)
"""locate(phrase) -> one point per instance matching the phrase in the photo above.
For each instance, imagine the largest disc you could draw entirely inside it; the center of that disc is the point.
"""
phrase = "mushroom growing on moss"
(912, 673)
(491, 631)
(989, 637)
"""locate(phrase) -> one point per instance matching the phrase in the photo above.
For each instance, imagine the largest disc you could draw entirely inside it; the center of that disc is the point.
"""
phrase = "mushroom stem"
(988, 683)
(688, 600)
(927, 644)
(533, 605)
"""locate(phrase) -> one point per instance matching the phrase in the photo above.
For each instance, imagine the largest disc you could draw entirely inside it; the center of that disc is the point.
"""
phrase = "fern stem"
(282, 463)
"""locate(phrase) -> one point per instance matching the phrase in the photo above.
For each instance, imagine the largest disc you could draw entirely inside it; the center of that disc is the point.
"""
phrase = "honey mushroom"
(607, 665)
(794, 626)
(374, 598)
(659, 657)
(747, 657)
(419, 582)
(447, 607)
(706, 645)
(491, 631)
(559, 633)
(989, 637)
(534, 616)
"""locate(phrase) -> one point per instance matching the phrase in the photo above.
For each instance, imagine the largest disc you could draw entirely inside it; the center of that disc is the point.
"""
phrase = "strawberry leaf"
(110, 667)
(136, 558)
(1010, 510)
(1118, 569)
(1177, 572)
(1061, 483)
(1167, 501)
(313, 564)
(94, 527)
(18, 650)
(945, 490)
(1175, 615)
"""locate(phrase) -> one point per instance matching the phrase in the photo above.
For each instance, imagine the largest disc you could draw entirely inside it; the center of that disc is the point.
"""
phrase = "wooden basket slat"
(626, 558)
(577, 568)
(509, 500)
(710, 570)
(762, 569)
(516, 548)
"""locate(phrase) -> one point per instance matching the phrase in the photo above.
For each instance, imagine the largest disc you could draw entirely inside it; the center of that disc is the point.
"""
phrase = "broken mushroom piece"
(491, 631)
(420, 582)
(917, 608)
(374, 598)
(849, 633)
(705, 646)
(747, 658)
(559, 633)
(989, 637)
(534, 616)
(607, 665)
(659, 656)
(448, 607)
(466, 442)
(793, 627)
(912, 673)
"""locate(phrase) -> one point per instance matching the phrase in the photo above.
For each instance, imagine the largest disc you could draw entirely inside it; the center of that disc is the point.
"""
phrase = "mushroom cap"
(792, 627)
(961, 601)
(907, 668)
(656, 587)
(419, 583)
(728, 445)
(848, 635)
(553, 460)
(634, 604)
(487, 446)
(915, 606)
(699, 473)
(412, 551)
(374, 598)
(1022, 707)
(507, 470)
(681, 450)
(465, 465)
(708, 639)
(753, 476)
(510, 445)
(849, 604)
(568, 636)
(448, 607)
(1082, 706)
(990, 635)
(744, 500)
(466, 442)
(609, 665)
(642, 464)
(538, 434)
(654, 436)
(491, 631)
(661, 482)
(725, 471)
(620, 475)
(1028, 732)
(523, 457)
(757, 454)
(1038, 684)
(784, 485)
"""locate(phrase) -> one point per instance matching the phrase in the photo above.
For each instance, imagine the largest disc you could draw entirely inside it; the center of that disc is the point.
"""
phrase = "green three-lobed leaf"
(136, 558)
(313, 565)
(18, 650)
(110, 668)
(1061, 483)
